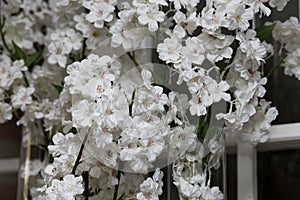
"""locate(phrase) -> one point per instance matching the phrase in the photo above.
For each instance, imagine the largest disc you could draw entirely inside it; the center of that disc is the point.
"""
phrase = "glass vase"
(210, 148)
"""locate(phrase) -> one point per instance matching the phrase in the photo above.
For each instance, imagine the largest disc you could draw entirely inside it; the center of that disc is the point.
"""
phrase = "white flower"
(139, 159)
(94, 80)
(216, 45)
(127, 34)
(239, 18)
(146, 100)
(21, 97)
(217, 90)
(213, 19)
(212, 193)
(290, 64)
(150, 15)
(159, 2)
(257, 129)
(199, 102)
(258, 6)
(19, 28)
(72, 185)
(169, 50)
(9, 71)
(58, 51)
(5, 112)
(183, 139)
(188, 4)
(100, 12)
(250, 45)
(184, 24)
(74, 39)
(103, 138)
(82, 24)
(151, 188)
(215, 145)
(288, 33)
(65, 189)
(194, 51)
(186, 189)
(51, 170)
(279, 4)
(84, 114)
(228, 5)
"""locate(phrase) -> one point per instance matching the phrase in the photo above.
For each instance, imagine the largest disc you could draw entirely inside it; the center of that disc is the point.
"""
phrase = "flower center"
(147, 195)
(150, 14)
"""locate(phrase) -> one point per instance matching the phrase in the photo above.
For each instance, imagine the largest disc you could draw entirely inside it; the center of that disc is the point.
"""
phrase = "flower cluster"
(78, 77)
(288, 33)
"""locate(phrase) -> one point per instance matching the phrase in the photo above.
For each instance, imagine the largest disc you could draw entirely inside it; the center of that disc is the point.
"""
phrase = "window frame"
(282, 137)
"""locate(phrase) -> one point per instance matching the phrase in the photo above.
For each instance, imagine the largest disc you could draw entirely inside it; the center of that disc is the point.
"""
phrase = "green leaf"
(203, 125)
(264, 32)
(18, 53)
(58, 88)
(32, 58)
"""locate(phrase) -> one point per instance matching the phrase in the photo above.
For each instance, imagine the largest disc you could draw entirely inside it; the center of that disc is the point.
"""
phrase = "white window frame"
(282, 137)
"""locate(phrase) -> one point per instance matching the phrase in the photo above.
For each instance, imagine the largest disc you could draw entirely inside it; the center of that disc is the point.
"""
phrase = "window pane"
(278, 175)
(8, 186)
(231, 173)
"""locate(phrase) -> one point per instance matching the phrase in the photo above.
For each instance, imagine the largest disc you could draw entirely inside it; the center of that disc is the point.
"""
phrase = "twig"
(77, 162)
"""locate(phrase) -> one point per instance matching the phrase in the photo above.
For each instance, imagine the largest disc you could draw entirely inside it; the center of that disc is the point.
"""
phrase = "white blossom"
(150, 15)
(85, 113)
(9, 71)
(185, 24)
(239, 18)
(58, 52)
(279, 4)
(151, 188)
(170, 50)
(188, 4)
(290, 64)
(259, 6)
(288, 33)
(5, 112)
(100, 12)
(22, 97)
(67, 188)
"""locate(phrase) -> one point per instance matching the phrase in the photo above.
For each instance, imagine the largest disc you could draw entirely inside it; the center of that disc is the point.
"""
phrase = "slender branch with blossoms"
(78, 76)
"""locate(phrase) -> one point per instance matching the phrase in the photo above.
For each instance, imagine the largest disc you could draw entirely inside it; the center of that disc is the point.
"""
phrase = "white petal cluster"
(151, 188)
(288, 33)
(21, 97)
(10, 71)
(194, 186)
(279, 4)
(63, 42)
(66, 189)
(5, 112)
(136, 119)
(290, 64)
(150, 15)
(100, 12)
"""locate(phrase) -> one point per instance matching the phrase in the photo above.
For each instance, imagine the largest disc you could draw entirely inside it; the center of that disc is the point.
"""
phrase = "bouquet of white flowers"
(114, 91)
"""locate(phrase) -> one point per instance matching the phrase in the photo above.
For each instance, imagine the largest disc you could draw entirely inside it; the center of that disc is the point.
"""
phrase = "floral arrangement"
(78, 77)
